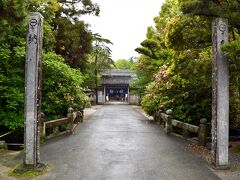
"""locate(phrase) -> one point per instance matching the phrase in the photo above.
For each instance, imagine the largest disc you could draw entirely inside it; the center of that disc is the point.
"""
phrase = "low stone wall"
(71, 121)
(168, 123)
(134, 99)
(3, 145)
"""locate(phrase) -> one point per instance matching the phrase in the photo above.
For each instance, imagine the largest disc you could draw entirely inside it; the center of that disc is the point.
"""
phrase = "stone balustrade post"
(81, 115)
(169, 127)
(42, 125)
(155, 115)
(161, 110)
(186, 133)
(202, 132)
(70, 115)
(3, 145)
(56, 130)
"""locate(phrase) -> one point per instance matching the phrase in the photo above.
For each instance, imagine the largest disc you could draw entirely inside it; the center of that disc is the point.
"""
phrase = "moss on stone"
(236, 149)
(21, 171)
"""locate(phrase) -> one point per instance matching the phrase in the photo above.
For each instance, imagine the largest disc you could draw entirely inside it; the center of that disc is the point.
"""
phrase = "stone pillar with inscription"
(33, 72)
(220, 95)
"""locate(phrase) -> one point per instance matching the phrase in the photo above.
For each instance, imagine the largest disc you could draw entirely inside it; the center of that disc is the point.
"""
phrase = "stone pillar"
(41, 125)
(202, 132)
(156, 115)
(56, 130)
(186, 133)
(161, 110)
(70, 115)
(3, 145)
(81, 115)
(220, 95)
(32, 114)
(169, 127)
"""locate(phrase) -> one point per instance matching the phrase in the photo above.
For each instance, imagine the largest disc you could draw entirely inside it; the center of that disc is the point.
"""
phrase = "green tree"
(124, 64)
(11, 15)
(230, 10)
(74, 9)
(99, 61)
(73, 39)
(61, 87)
(12, 84)
(174, 63)
(73, 42)
(213, 8)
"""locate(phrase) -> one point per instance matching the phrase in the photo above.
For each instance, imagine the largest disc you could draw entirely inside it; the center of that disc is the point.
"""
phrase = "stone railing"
(168, 123)
(71, 121)
(3, 144)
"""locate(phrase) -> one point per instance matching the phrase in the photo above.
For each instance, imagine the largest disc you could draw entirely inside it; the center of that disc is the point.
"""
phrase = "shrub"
(61, 87)
(12, 86)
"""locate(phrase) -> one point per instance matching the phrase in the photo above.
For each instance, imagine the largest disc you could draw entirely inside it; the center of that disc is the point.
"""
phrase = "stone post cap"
(161, 107)
(203, 121)
(42, 115)
(36, 14)
(2, 143)
(70, 110)
(169, 112)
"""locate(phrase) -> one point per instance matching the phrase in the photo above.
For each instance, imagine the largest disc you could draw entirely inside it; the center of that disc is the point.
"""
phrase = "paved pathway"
(116, 143)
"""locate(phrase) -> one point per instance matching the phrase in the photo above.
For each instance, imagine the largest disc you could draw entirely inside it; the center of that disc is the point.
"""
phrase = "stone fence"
(168, 123)
(55, 127)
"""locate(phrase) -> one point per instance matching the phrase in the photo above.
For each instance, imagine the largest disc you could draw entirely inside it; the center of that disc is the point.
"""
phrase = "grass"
(236, 149)
(20, 171)
(12, 162)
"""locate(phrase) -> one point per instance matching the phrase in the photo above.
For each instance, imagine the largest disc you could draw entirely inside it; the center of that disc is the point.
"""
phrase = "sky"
(125, 23)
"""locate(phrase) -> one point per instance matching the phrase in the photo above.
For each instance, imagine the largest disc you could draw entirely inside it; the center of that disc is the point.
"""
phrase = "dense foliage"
(99, 60)
(67, 45)
(124, 64)
(12, 84)
(174, 69)
(61, 87)
(175, 60)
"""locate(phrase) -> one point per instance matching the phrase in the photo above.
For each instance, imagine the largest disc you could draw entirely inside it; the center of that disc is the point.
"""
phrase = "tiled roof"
(119, 72)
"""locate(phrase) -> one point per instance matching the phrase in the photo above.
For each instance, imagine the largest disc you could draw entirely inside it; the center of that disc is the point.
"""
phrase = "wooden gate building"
(115, 86)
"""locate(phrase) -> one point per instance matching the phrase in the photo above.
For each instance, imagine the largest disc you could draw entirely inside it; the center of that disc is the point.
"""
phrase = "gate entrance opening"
(117, 94)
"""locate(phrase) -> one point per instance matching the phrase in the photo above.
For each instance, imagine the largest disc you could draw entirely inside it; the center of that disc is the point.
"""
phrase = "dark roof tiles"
(119, 72)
